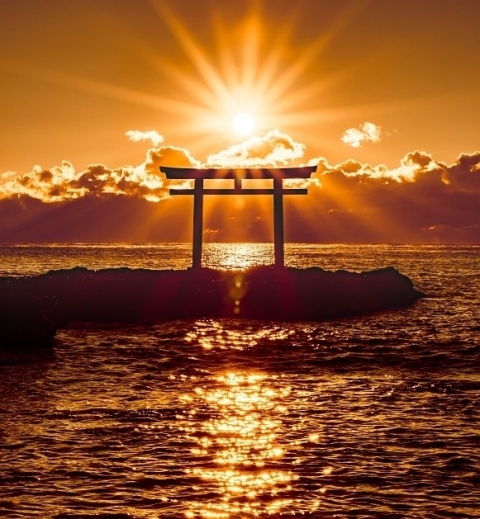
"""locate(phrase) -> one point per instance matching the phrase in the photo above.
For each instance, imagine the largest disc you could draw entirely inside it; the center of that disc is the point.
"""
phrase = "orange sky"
(355, 86)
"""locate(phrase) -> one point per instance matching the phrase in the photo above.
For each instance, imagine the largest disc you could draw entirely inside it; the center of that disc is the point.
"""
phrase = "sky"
(381, 95)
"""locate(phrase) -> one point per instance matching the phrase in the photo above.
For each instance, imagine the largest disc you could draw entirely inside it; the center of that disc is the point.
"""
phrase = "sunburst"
(247, 84)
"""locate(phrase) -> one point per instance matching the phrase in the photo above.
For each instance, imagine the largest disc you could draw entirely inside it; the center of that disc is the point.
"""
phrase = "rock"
(32, 309)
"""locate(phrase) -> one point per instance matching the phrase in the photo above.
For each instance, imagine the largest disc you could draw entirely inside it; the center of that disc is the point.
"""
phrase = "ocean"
(369, 417)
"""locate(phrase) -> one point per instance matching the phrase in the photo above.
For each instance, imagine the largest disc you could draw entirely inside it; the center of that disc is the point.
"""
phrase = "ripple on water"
(374, 417)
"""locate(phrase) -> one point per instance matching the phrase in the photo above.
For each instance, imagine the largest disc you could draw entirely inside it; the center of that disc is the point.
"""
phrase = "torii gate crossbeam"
(277, 175)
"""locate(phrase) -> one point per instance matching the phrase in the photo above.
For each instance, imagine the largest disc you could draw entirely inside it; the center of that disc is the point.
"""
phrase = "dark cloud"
(110, 218)
(464, 175)
(421, 201)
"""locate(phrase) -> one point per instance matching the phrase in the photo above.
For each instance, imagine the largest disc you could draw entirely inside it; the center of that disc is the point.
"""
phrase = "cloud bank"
(422, 200)
(61, 183)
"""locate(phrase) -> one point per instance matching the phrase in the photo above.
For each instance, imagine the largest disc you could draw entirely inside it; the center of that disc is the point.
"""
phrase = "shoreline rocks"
(32, 309)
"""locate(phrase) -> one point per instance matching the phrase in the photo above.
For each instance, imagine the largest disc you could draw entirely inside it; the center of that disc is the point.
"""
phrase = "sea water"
(371, 417)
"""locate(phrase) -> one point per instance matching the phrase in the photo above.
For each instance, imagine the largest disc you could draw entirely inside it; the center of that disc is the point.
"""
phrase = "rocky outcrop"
(32, 309)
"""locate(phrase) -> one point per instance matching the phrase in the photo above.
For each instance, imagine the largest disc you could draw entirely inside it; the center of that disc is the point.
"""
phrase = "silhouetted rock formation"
(32, 309)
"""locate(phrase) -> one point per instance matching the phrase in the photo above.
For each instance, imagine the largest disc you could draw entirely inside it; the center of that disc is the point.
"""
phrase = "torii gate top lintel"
(244, 173)
(238, 174)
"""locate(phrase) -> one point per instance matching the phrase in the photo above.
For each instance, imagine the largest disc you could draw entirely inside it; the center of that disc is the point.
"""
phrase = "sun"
(243, 123)
(246, 80)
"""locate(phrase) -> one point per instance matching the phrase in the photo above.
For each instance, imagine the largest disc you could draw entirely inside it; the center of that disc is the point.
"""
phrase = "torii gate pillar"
(277, 175)
(197, 223)
(278, 234)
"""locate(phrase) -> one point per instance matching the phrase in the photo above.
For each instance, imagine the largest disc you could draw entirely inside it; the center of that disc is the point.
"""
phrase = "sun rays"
(229, 91)
(251, 82)
(214, 73)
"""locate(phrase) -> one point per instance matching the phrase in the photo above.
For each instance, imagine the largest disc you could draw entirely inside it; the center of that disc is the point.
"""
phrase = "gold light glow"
(210, 334)
(237, 256)
(241, 437)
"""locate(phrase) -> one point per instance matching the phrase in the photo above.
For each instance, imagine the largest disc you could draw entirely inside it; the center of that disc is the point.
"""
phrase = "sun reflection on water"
(237, 256)
(241, 439)
(211, 333)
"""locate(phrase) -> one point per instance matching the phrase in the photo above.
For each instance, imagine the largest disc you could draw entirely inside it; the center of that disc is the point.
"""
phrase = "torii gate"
(238, 175)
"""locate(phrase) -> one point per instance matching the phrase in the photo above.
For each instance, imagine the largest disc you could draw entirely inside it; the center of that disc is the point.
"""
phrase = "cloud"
(464, 175)
(168, 156)
(8, 174)
(273, 149)
(136, 135)
(412, 166)
(420, 201)
(367, 132)
(61, 183)
(109, 218)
